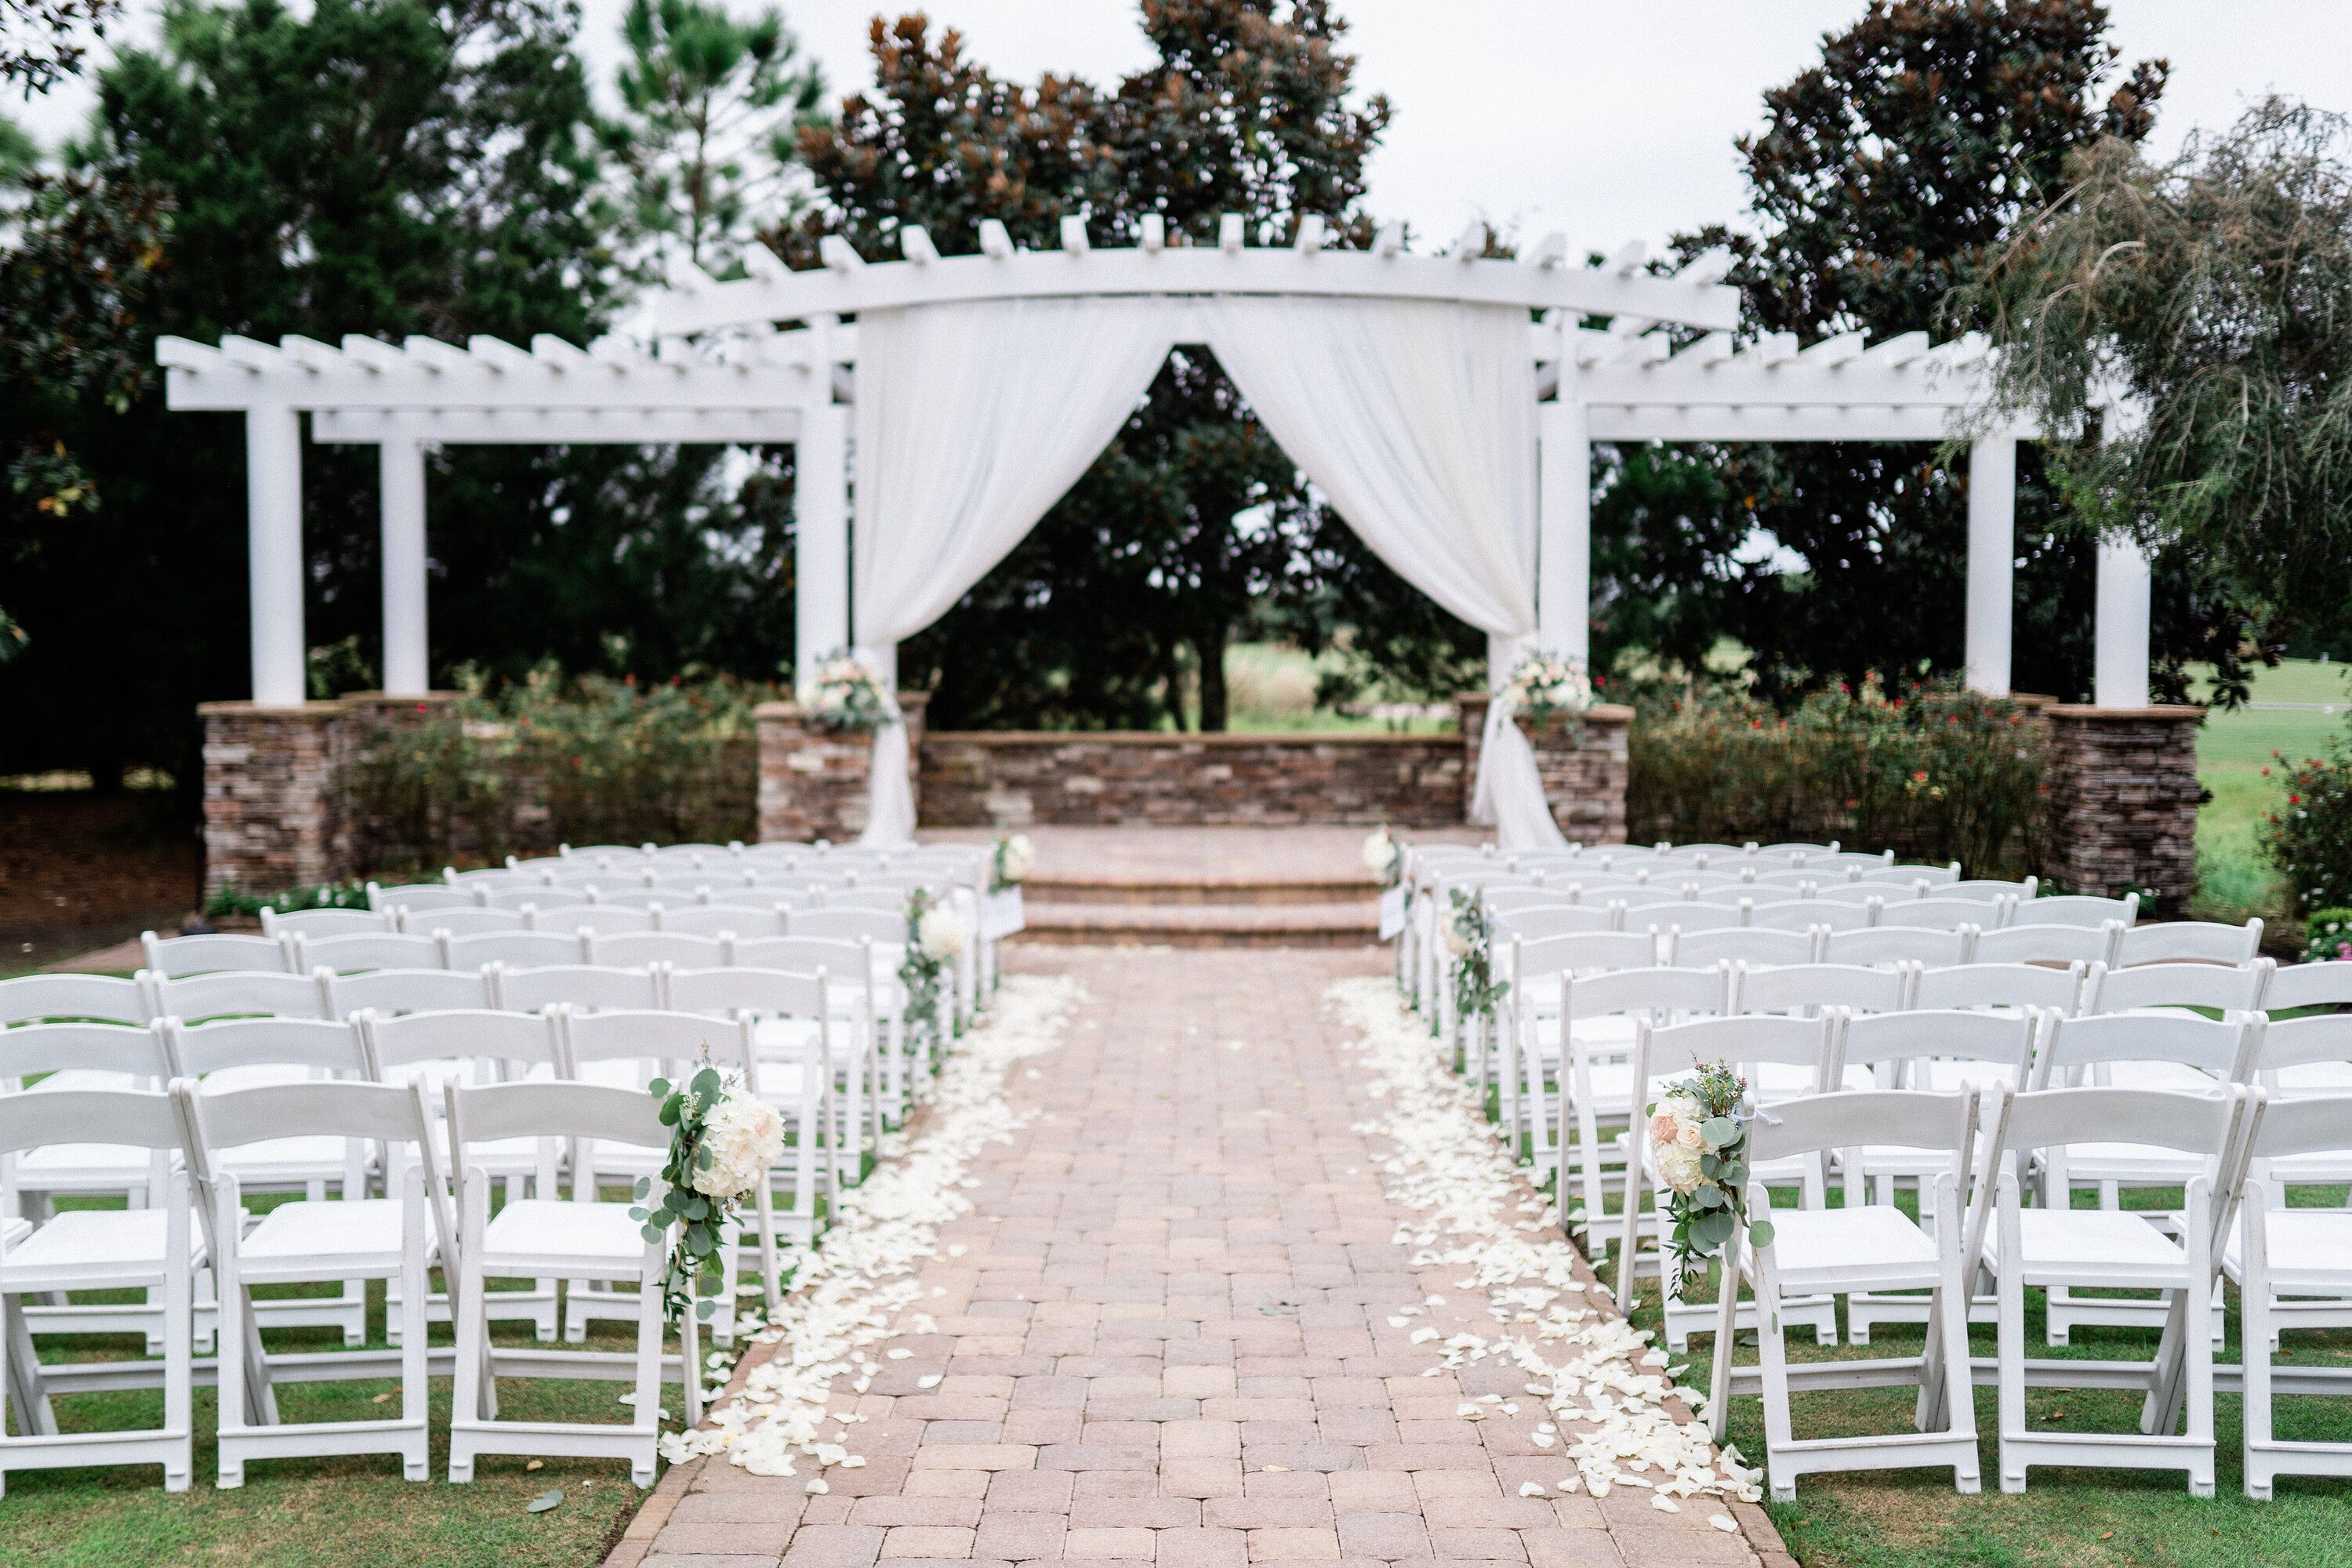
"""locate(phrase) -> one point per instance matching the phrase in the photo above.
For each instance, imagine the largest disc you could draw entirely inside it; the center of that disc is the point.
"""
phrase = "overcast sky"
(1611, 119)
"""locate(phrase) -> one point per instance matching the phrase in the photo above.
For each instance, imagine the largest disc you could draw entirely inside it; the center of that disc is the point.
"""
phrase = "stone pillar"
(2123, 803)
(812, 781)
(273, 807)
(1583, 767)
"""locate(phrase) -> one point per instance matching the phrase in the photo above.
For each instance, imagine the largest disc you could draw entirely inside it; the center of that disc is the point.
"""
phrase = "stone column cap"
(786, 708)
(325, 707)
(2124, 715)
(1607, 712)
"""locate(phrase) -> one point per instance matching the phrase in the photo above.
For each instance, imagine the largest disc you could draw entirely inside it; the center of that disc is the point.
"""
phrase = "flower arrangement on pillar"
(844, 698)
(1544, 688)
(723, 1139)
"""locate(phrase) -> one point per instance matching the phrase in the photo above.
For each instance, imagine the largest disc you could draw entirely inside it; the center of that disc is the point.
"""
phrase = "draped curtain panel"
(972, 420)
(1416, 418)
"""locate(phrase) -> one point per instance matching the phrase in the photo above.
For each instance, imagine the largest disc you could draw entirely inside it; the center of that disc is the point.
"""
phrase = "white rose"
(745, 1136)
(1018, 857)
(941, 931)
(1687, 1134)
(1678, 1168)
(1457, 943)
(1380, 851)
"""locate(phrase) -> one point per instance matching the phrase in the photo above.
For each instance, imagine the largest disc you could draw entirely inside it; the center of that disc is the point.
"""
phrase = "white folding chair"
(582, 986)
(1665, 1053)
(1937, 1051)
(1584, 1043)
(364, 950)
(151, 1250)
(516, 949)
(627, 1050)
(1860, 1249)
(2079, 909)
(1812, 915)
(630, 949)
(2179, 1053)
(716, 919)
(423, 896)
(1803, 990)
(305, 1242)
(2189, 941)
(81, 1056)
(1949, 914)
(875, 1073)
(173, 956)
(2032, 943)
(795, 1040)
(1536, 921)
(1977, 986)
(233, 993)
(2293, 986)
(461, 923)
(1888, 944)
(432, 1049)
(2059, 1248)
(578, 1239)
(604, 919)
(1745, 944)
(247, 1053)
(93, 998)
(324, 922)
(2286, 1262)
(389, 991)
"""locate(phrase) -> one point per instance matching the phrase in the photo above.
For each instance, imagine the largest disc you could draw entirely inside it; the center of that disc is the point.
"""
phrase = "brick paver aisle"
(1165, 1339)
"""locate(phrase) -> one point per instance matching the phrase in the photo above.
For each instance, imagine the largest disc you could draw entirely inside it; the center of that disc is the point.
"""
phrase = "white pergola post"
(1564, 543)
(273, 492)
(2119, 672)
(820, 512)
(1992, 561)
(406, 663)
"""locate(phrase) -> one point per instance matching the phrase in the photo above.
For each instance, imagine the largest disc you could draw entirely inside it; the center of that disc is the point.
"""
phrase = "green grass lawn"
(2233, 878)
(350, 1512)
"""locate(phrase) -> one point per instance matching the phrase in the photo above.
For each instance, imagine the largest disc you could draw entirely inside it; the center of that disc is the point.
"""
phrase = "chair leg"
(35, 1416)
(1772, 1358)
(471, 1370)
(2256, 1326)
(649, 1364)
(2012, 1403)
(179, 1328)
(415, 1461)
(1727, 1345)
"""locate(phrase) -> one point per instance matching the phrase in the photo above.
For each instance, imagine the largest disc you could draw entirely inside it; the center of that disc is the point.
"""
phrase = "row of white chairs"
(1784, 857)
(439, 1161)
(401, 930)
(1971, 1147)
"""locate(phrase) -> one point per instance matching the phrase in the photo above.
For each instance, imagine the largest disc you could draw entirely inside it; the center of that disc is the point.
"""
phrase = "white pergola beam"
(1232, 267)
(274, 567)
(556, 427)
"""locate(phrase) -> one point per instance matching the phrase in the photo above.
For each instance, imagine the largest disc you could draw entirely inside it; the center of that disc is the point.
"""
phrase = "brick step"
(1195, 891)
(1329, 924)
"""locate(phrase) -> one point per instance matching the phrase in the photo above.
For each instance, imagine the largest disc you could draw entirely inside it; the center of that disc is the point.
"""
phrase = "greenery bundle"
(1932, 771)
(524, 765)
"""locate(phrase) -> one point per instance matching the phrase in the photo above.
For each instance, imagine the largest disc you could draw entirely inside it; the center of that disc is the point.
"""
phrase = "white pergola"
(709, 365)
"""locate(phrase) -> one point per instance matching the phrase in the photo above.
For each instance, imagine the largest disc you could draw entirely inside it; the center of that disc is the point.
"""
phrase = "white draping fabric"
(972, 420)
(1417, 418)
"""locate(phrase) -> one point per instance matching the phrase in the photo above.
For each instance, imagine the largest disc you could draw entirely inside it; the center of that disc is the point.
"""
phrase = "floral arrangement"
(1009, 861)
(1698, 1140)
(1545, 688)
(1475, 989)
(1383, 855)
(723, 1140)
(935, 934)
(847, 699)
(2327, 937)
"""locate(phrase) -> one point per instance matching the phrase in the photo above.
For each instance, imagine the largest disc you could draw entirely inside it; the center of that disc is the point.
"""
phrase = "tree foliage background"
(442, 167)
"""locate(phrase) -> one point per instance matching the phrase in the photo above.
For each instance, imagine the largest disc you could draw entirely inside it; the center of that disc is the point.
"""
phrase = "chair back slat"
(133, 1049)
(2238, 990)
(232, 992)
(2001, 985)
(139, 1119)
(392, 991)
(512, 1040)
(1875, 1118)
(314, 1045)
(490, 1112)
(99, 998)
(2327, 985)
